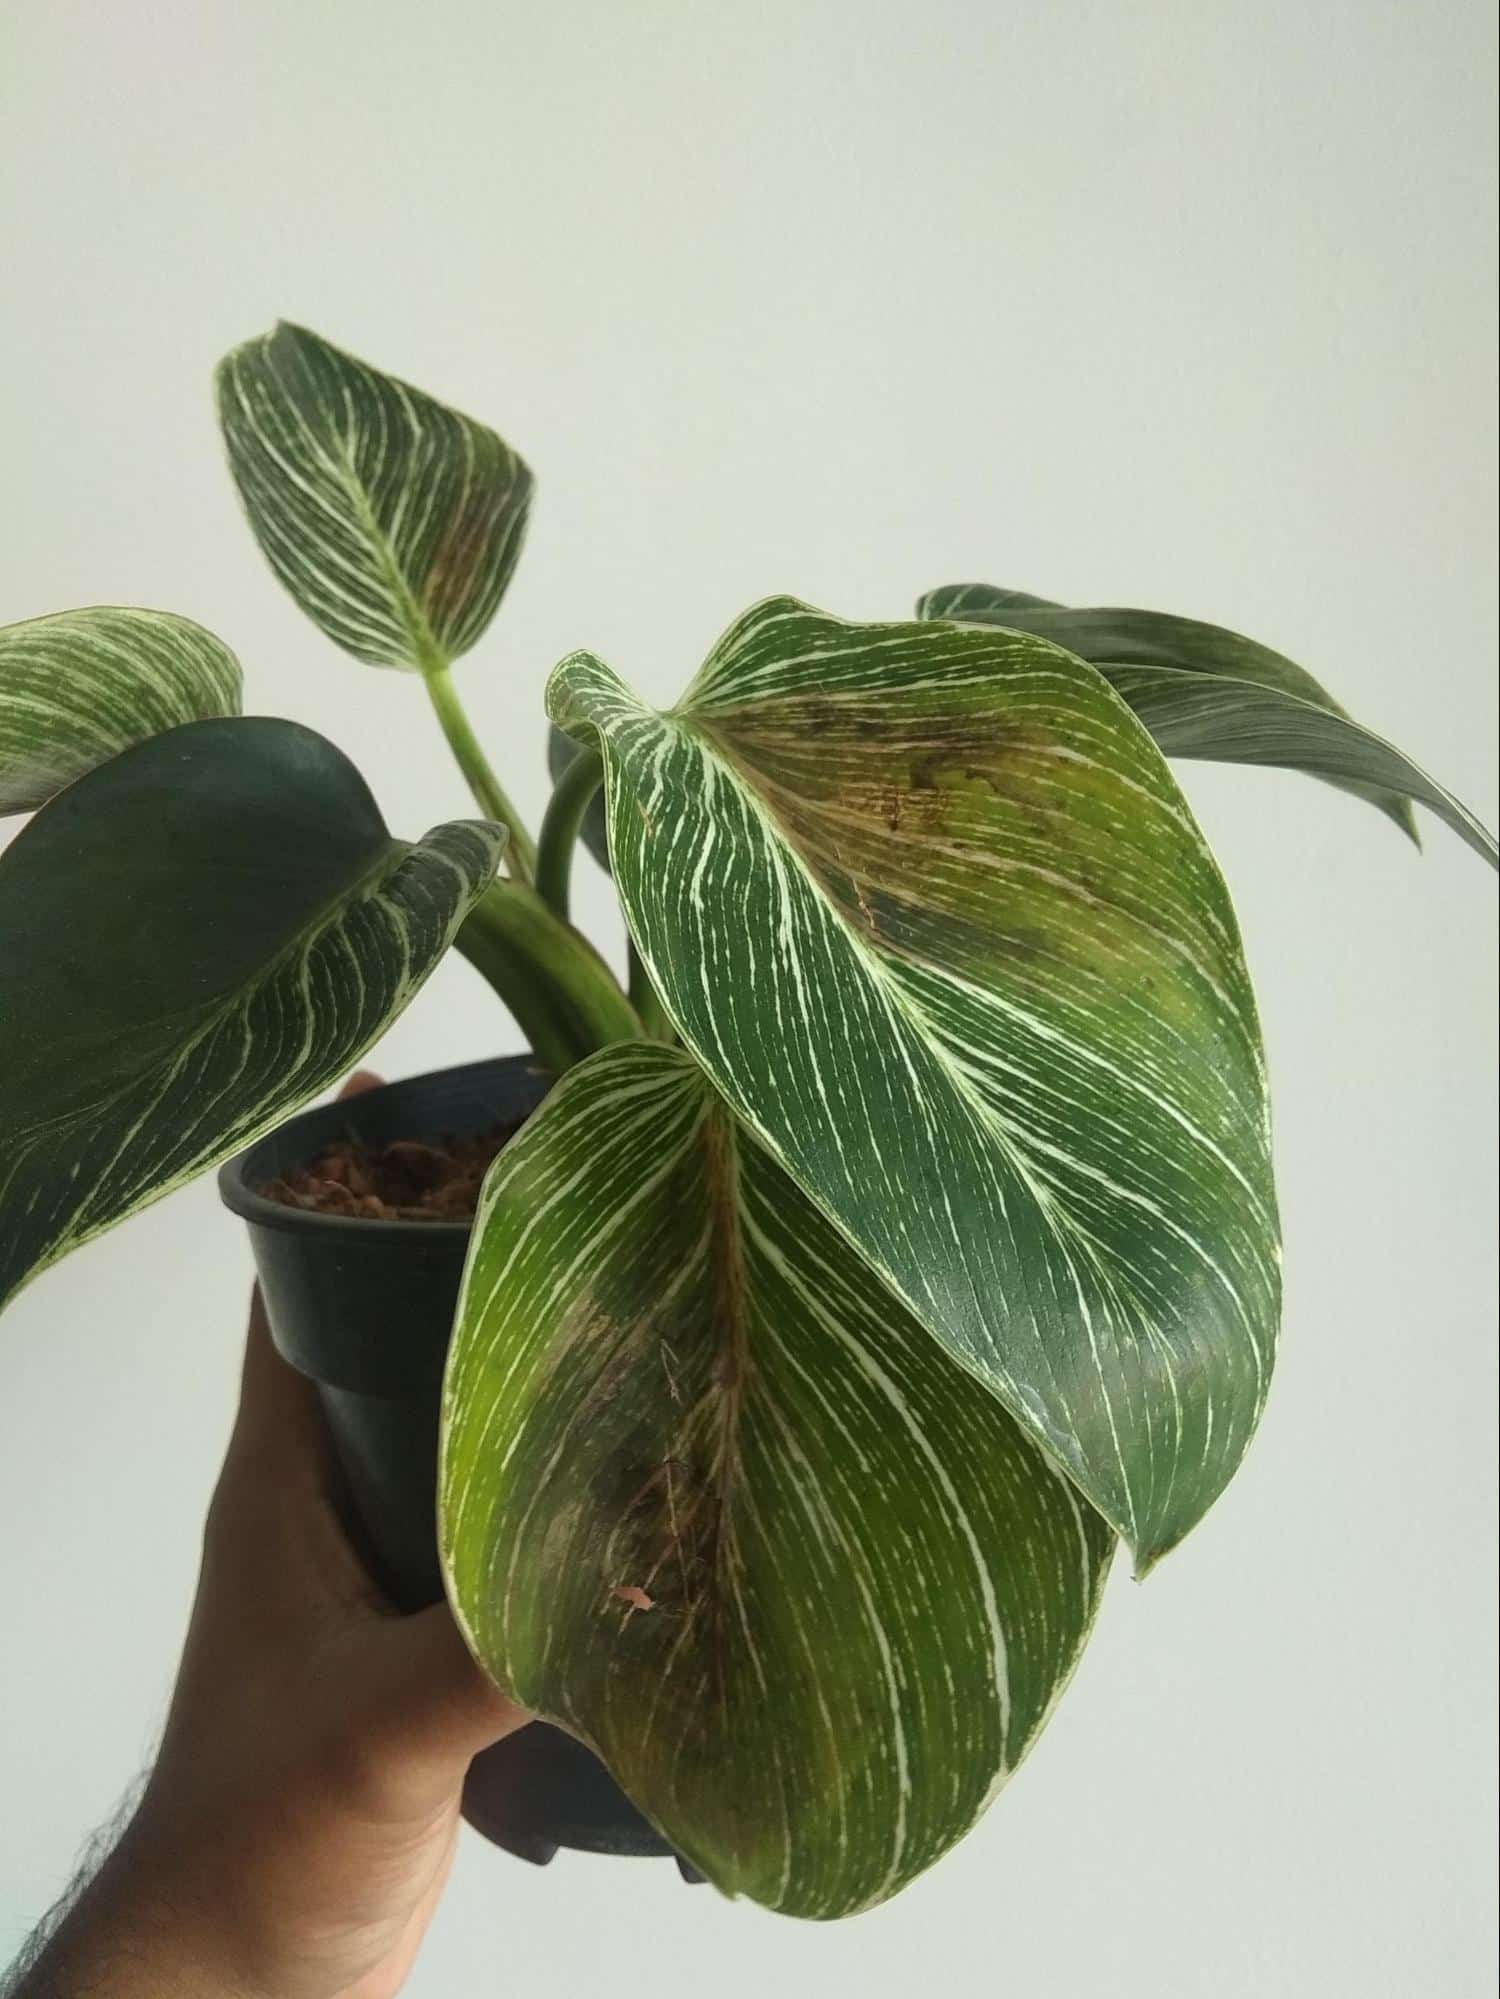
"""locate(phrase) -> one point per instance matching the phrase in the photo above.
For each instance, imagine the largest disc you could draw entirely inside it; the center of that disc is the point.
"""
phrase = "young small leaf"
(393, 521)
(712, 1501)
(1207, 692)
(78, 687)
(199, 935)
(927, 905)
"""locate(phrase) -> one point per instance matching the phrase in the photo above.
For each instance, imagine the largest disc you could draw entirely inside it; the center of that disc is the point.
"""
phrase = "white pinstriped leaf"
(393, 521)
(714, 1502)
(1206, 692)
(80, 686)
(199, 935)
(927, 905)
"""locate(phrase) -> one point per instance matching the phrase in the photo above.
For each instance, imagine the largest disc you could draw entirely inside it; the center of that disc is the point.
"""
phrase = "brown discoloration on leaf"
(460, 561)
(970, 842)
(667, 1499)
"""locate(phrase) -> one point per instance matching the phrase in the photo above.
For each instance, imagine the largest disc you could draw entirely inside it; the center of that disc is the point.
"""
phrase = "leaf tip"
(573, 688)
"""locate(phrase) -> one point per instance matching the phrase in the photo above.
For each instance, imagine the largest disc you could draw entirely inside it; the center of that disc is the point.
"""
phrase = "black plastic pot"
(365, 1308)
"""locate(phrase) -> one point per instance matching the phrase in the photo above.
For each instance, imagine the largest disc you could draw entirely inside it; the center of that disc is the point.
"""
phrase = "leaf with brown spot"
(1206, 692)
(866, 1586)
(927, 905)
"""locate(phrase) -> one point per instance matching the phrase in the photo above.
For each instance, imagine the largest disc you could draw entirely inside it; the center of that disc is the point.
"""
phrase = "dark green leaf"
(714, 1502)
(927, 905)
(1206, 692)
(199, 935)
(79, 687)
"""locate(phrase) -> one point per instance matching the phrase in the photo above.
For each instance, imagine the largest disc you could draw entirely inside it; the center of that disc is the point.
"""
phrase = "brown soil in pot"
(402, 1180)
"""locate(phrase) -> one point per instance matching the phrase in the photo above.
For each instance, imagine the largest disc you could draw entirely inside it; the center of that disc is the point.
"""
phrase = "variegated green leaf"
(928, 906)
(1206, 692)
(394, 521)
(78, 687)
(715, 1503)
(199, 935)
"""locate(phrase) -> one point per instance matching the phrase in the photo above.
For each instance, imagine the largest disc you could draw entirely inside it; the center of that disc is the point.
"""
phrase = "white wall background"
(1186, 303)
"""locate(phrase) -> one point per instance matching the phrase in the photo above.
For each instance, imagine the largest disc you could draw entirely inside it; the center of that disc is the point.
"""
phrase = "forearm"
(118, 1934)
(302, 1816)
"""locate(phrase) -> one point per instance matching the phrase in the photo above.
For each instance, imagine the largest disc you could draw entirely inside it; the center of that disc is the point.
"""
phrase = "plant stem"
(646, 1001)
(570, 800)
(489, 793)
(564, 997)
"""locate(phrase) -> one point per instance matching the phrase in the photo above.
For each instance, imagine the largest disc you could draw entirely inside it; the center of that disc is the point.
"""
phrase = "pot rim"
(242, 1198)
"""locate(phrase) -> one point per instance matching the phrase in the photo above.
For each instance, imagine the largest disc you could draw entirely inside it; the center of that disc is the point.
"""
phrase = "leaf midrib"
(335, 449)
(723, 1178)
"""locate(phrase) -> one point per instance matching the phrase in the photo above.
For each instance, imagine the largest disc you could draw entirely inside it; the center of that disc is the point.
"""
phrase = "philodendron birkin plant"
(898, 1238)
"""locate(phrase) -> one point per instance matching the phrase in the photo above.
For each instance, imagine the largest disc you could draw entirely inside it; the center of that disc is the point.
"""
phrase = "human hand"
(299, 1825)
